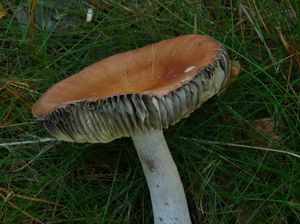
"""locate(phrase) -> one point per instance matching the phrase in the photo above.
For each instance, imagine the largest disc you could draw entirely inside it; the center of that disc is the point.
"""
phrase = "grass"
(57, 182)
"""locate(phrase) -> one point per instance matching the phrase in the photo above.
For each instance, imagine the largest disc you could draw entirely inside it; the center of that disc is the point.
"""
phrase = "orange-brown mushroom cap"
(150, 87)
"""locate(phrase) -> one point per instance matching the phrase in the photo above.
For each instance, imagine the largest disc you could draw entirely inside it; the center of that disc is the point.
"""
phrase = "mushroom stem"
(167, 194)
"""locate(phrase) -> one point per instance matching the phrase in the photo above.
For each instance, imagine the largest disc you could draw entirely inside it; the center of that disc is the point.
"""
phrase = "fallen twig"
(11, 193)
(28, 142)
(241, 146)
(6, 199)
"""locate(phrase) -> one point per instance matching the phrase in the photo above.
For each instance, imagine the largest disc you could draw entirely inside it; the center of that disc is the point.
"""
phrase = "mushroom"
(136, 94)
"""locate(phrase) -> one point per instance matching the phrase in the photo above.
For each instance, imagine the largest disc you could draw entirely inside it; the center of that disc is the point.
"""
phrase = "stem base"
(167, 194)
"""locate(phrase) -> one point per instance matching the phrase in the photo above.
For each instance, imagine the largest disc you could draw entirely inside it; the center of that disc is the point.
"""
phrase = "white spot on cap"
(188, 69)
